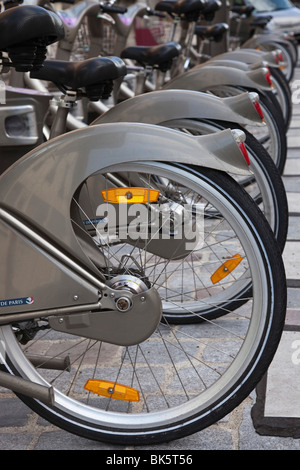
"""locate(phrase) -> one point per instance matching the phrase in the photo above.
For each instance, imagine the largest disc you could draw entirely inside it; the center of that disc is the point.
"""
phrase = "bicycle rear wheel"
(184, 377)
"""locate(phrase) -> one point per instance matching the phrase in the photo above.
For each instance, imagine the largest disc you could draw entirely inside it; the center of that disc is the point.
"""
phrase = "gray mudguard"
(205, 76)
(39, 251)
(237, 64)
(160, 106)
(258, 40)
(248, 56)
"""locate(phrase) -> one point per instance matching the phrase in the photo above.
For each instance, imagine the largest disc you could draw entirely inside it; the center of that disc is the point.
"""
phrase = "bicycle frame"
(73, 18)
(26, 109)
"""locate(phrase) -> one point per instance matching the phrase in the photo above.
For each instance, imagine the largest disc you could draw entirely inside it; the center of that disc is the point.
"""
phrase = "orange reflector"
(114, 390)
(226, 268)
(130, 195)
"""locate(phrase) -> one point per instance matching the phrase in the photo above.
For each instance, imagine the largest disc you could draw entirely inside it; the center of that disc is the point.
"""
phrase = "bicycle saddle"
(25, 31)
(160, 56)
(181, 6)
(214, 32)
(210, 9)
(261, 21)
(243, 10)
(94, 75)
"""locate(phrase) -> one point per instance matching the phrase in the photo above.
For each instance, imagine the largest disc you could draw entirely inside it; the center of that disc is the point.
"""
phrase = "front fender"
(159, 106)
(205, 76)
(248, 56)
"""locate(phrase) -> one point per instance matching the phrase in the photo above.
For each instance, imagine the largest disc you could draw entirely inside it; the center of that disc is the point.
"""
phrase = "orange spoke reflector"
(114, 390)
(226, 268)
(130, 195)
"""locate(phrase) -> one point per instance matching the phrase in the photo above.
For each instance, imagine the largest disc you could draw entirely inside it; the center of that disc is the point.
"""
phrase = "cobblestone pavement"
(22, 429)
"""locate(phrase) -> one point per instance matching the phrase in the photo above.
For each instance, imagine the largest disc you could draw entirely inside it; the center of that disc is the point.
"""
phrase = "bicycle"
(109, 310)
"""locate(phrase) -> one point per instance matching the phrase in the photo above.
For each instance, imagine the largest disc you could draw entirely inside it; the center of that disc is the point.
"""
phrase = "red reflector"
(244, 152)
(259, 110)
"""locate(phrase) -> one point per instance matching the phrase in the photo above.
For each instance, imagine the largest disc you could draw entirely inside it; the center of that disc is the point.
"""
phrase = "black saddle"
(190, 9)
(180, 6)
(94, 75)
(213, 33)
(261, 21)
(25, 31)
(156, 56)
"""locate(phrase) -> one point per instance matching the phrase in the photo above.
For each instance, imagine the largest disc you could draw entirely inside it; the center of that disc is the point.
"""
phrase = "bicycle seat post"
(64, 104)
(176, 21)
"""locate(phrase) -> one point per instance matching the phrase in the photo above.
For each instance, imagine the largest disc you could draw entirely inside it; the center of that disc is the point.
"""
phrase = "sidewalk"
(277, 402)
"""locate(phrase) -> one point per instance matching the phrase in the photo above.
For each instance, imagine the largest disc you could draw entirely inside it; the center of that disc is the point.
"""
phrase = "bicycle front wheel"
(184, 377)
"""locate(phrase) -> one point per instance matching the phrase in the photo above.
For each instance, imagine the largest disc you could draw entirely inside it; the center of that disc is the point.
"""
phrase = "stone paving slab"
(283, 386)
(293, 203)
(291, 258)
(292, 166)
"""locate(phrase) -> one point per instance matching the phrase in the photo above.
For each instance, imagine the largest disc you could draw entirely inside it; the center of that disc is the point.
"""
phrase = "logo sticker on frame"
(16, 302)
